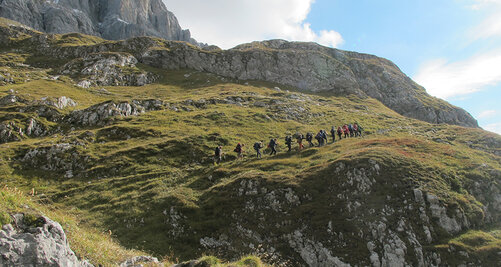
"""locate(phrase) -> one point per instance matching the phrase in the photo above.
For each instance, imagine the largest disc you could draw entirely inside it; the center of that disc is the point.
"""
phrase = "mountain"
(308, 66)
(109, 19)
(318, 69)
(114, 140)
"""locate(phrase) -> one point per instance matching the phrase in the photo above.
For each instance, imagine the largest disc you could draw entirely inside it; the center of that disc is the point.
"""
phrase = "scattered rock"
(104, 91)
(10, 99)
(62, 158)
(260, 104)
(84, 84)
(138, 260)
(60, 102)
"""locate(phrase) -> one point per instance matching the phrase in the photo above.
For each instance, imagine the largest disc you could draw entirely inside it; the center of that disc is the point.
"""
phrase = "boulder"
(138, 260)
(32, 241)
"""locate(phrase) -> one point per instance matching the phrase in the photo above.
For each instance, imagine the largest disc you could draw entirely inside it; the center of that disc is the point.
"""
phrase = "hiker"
(360, 130)
(319, 138)
(355, 129)
(240, 151)
(288, 142)
(350, 128)
(346, 131)
(273, 145)
(309, 138)
(218, 153)
(300, 138)
(339, 132)
(333, 133)
(324, 136)
(257, 147)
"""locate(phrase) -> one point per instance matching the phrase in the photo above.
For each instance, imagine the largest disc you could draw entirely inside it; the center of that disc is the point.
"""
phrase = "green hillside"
(149, 179)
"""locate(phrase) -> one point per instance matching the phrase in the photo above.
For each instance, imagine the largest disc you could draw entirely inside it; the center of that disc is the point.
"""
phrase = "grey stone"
(313, 253)
(136, 261)
(40, 245)
(9, 100)
(60, 102)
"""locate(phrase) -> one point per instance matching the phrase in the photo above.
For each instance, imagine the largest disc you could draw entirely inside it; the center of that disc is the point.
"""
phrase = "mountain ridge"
(308, 66)
(110, 19)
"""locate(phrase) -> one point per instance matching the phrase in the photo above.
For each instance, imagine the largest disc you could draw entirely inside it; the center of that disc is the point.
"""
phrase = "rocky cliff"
(110, 19)
(315, 68)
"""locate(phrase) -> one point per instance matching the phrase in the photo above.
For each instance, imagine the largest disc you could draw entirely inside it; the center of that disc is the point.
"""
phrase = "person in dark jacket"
(288, 142)
(324, 136)
(273, 146)
(320, 138)
(240, 151)
(309, 138)
(299, 138)
(333, 133)
(257, 147)
(218, 153)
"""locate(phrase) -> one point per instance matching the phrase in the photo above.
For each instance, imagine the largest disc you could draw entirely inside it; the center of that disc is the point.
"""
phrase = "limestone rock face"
(36, 243)
(315, 68)
(110, 19)
(107, 69)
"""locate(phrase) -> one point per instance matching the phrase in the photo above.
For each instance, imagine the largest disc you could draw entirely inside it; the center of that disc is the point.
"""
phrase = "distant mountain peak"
(109, 19)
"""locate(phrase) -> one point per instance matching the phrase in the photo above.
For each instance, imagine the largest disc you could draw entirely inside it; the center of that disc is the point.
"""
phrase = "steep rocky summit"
(110, 19)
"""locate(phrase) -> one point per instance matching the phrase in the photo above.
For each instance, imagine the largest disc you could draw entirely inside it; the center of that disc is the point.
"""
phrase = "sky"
(451, 47)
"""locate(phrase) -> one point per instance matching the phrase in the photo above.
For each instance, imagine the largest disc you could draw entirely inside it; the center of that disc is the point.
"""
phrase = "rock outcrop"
(110, 19)
(383, 222)
(315, 68)
(100, 114)
(107, 69)
(36, 242)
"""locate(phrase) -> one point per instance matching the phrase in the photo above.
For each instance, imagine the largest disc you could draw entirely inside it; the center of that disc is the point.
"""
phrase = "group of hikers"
(345, 131)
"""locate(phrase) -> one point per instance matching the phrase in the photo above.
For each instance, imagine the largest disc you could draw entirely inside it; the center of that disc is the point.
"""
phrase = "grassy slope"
(166, 161)
(97, 247)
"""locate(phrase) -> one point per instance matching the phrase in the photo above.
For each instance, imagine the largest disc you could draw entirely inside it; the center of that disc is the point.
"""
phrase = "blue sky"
(451, 47)
(415, 33)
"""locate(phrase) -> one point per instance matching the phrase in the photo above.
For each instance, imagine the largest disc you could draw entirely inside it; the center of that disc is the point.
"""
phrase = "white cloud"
(494, 127)
(446, 79)
(480, 4)
(486, 114)
(228, 23)
(491, 25)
